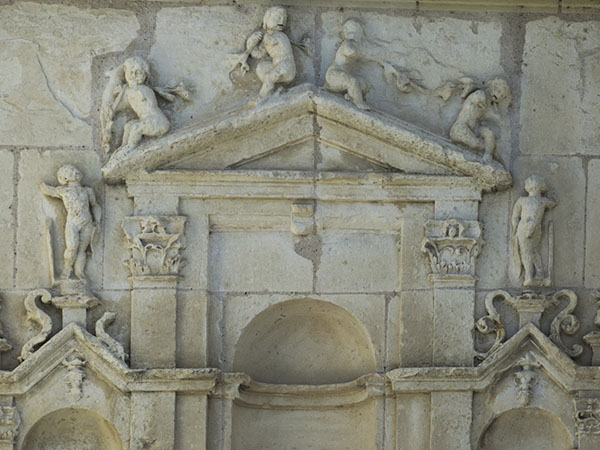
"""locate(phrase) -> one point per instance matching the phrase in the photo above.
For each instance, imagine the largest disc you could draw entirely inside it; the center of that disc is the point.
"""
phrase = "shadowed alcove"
(304, 341)
(72, 429)
(526, 429)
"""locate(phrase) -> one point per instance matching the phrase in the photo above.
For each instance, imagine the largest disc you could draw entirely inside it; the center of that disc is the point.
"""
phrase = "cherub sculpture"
(274, 50)
(128, 89)
(83, 218)
(527, 220)
(467, 129)
(355, 48)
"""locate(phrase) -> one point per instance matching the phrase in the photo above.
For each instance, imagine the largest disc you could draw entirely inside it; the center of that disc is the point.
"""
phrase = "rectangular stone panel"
(6, 219)
(358, 262)
(191, 328)
(416, 319)
(257, 261)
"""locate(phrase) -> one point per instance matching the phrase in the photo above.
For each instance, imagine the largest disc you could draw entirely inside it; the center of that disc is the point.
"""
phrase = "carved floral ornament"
(587, 415)
(154, 244)
(452, 246)
(529, 307)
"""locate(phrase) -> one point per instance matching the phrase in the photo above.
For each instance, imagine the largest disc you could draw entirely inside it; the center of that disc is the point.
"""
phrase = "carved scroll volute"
(452, 246)
(492, 323)
(154, 244)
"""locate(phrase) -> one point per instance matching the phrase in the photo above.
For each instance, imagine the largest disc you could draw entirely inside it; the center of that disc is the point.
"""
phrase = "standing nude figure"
(83, 217)
(467, 125)
(272, 46)
(353, 49)
(527, 220)
(127, 90)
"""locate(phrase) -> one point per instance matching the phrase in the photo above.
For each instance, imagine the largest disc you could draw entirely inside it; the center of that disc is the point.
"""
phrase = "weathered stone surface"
(592, 238)
(7, 218)
(32, 250)
(560, 87)
(47, 75)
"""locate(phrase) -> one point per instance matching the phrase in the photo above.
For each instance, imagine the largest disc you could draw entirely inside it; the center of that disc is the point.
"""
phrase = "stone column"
(153, 420)
(154, 243)
(227, 391)
(453, 246)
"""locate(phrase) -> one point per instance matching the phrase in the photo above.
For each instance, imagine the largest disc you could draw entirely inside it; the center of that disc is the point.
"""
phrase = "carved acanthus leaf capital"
(452, 246)
(154, 244)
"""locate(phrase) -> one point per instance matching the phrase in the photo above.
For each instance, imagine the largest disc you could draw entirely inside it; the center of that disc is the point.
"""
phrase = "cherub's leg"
(134, 135)
(126, 132)
(71, 244)
(264, 71)
(85, 237)
(489, 143)
(537, 264)
(462, 134)
(340, 81)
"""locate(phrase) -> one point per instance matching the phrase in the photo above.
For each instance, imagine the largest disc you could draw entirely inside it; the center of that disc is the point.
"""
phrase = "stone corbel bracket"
(154, 244)
(530, 306)
(452, 246)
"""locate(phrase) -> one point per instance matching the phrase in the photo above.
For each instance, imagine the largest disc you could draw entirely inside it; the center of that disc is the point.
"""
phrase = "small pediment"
(311, 131)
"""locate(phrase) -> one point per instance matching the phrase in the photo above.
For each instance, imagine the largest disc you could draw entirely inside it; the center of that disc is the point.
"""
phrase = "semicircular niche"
(304, 341)
(72, 429)
(526, 429)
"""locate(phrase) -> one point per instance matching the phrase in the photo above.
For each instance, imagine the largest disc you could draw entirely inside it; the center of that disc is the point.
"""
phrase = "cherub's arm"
(96, 209)
(516, 215)
(51, 191)
(551, 202)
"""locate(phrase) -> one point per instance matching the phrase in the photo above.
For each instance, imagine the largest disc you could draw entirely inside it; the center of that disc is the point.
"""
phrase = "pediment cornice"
(402, 138)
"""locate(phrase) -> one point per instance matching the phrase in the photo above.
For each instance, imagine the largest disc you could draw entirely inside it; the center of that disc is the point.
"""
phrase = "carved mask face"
(68, 174)
(136, 71)
(275, 19)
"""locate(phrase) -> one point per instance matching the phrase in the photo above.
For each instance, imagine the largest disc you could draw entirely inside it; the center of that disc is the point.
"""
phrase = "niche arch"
(526, 429)
(72, 429)
(304, 341)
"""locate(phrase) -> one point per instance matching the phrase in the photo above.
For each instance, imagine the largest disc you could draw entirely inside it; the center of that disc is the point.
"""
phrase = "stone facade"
(319, 225)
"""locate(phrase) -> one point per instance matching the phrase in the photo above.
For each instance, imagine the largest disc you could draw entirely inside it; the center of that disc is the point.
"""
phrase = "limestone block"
(565, 179)
(32, 253)
(413, 416)
(190, 424)
(257, 261)
(560, 87)
(592, 249)
(46, 94)
(6, 219)
(191, 328)
(351, 428)
(393, 330)
(117, 207)
(197, 44)
(440, 49)
(416, 319)
(414, 264)
(358, 262)
(494, 260)
(451, 420)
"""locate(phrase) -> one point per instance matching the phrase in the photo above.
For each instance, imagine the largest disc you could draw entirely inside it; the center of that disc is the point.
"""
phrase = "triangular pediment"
(306, 130)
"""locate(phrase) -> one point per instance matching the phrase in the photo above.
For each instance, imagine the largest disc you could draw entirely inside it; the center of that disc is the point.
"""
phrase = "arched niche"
(526, 429)
(72, 429)
(304, 341)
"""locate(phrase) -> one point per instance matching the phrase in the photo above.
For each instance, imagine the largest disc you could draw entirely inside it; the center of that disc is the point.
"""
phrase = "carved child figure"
(272, 46)
(355, 48)
(127, 90)
(83, 217)
(527, 219)
(467, 125)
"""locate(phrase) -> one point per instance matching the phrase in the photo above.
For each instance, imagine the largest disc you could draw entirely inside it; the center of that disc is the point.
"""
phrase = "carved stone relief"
(113, 345)
(9, 425)
(75, 365)
(40, 318)
(530, 306)
(452, 246)
(593, 338)
(527, 225)
(526, 379)
(587, 415)
(154, 244)
(354, 49)
(273, 49)
(129, 89)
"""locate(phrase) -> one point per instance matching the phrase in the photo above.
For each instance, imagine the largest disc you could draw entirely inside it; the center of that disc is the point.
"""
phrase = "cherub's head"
(353, 30)
(68, 174)
(535, 185)
(275, 18)
(136, 70)
(498, 89)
